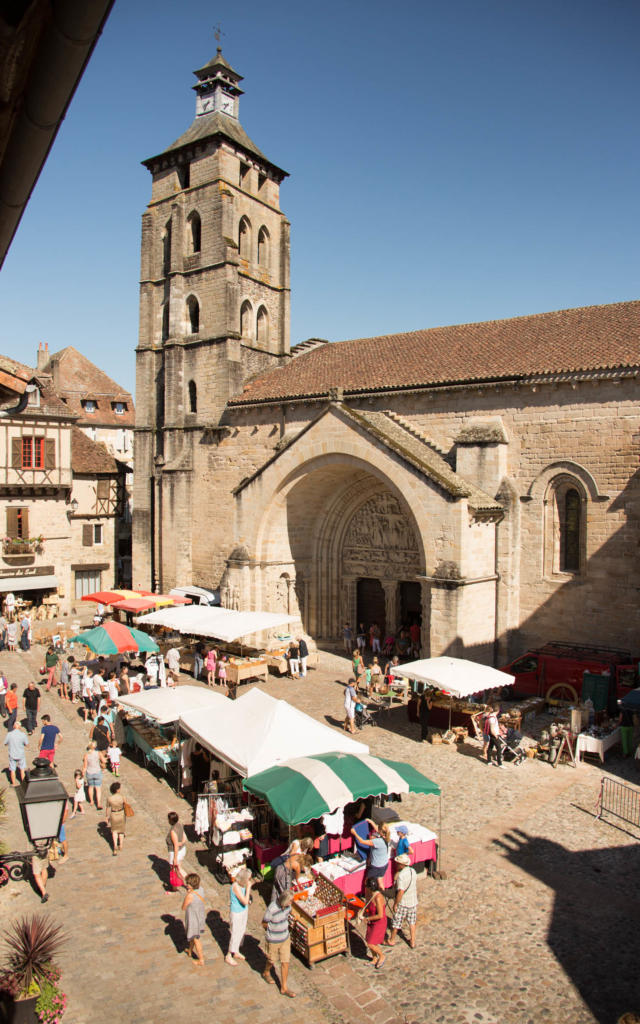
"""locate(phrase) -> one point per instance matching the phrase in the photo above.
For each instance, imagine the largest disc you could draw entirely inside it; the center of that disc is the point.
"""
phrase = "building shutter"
(49, 453)
(87, 535)
(24, 512)
(103, 489)
(16, 452)
(12, 521)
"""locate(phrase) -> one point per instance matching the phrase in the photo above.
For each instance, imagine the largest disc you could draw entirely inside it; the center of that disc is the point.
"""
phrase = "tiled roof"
(388, 429)
(208, 126)
(15, 369)
(590, 338)
(90, 457)
(77, 378)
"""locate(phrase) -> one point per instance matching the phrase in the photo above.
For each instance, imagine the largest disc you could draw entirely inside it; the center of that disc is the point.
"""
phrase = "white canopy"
(167, 704)
(456, 676)
(257, 731)
(221, 623)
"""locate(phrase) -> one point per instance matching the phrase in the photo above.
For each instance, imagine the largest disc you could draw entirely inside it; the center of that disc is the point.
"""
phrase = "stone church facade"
(480, 478)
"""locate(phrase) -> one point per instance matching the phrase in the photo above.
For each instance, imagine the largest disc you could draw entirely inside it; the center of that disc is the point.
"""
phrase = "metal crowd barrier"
(619, 800)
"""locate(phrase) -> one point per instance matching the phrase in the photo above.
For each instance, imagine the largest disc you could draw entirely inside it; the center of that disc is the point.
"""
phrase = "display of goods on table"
(239, 669)
(318, 923)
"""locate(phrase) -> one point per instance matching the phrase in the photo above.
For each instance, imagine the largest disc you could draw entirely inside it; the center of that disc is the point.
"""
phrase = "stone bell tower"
(214, 309)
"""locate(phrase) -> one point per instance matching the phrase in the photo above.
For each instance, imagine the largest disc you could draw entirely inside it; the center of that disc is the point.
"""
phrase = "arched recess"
(263, 247)
(565, 526)
(165, 321)
(193, 315)
(262, 326)
(244, 238)
(193, 396)
(194, 232)
(330, 522)
(246, 319)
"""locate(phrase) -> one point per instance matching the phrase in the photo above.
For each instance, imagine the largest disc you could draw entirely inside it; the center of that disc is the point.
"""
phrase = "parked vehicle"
(198, 595)
(556, 670)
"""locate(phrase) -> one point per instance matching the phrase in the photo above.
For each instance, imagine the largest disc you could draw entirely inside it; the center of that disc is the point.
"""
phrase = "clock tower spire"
(217, 88)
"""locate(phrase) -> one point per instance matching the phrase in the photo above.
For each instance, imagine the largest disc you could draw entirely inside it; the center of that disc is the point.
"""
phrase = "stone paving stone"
(536, 920)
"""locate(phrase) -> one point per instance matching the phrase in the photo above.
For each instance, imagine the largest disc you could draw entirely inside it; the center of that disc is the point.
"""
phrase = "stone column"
(390, 588)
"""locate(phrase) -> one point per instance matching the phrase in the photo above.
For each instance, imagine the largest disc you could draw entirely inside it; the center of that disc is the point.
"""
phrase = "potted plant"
(32, 943)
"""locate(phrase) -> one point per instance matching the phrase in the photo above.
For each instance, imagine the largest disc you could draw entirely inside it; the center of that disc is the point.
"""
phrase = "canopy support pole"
(439, 833)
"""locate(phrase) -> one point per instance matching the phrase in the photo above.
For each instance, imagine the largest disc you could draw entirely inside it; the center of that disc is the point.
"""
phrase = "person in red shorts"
(50, 738)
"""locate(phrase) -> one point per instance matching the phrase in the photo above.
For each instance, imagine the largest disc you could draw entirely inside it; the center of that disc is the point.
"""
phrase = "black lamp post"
(42, 799)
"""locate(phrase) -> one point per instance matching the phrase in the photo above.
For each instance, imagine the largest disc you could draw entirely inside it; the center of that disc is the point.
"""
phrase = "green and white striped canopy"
(306, 787)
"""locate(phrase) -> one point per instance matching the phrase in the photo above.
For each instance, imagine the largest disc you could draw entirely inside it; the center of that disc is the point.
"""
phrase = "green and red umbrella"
(114, 638)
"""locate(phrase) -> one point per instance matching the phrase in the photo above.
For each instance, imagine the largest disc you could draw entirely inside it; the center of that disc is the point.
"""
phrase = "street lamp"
(73, 508)
(42, 799)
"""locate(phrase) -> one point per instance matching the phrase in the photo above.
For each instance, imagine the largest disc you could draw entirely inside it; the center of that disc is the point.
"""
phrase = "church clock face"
(226, 104)
(206, 104)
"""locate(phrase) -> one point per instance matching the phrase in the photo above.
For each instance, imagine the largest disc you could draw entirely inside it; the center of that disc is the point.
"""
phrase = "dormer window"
(89, 405)
(34, 398)
(119, 408)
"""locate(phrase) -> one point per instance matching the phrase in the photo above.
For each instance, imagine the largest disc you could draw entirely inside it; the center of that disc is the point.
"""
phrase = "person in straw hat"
(405, 904)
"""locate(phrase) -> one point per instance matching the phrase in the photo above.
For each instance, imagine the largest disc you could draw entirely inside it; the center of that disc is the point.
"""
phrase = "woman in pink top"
(210, 664)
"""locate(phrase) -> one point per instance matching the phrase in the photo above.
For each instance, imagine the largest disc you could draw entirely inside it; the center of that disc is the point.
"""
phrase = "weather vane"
(217, 35)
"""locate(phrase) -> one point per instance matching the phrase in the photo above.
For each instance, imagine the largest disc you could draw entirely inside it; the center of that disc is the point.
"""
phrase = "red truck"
(556, 670)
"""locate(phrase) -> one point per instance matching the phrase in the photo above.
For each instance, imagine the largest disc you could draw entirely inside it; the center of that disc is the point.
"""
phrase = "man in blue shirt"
(51, 736)
(16, 741)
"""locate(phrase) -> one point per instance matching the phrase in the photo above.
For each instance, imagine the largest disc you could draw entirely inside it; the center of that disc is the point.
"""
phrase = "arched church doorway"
(347, 540)
(371, 603)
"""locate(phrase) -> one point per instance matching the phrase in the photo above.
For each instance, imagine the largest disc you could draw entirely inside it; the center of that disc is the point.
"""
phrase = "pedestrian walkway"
(535, 921)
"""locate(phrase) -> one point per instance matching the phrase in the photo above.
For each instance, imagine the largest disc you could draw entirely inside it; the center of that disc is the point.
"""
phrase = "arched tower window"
(570, 531)
(244, 238)
(246, 319)
(165, 321)
(166, 248)
(263, 247)
(193, 396)
(193, 311)
(195, 232)
(262, 324)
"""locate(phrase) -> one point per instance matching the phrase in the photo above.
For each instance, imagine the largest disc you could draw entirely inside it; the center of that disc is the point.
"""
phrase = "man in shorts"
(16, 741)
(51, 737)
(405, 904)
(278, 943)
(173, 664)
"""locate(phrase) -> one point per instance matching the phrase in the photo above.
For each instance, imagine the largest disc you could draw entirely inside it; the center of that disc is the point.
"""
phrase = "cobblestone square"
(536, 920)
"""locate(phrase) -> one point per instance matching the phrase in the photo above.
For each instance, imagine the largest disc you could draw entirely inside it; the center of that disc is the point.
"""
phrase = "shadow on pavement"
(596, 910)
(176, 932)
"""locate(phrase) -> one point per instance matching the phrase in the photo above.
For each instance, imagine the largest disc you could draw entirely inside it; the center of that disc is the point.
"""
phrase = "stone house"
(480, 479)
(60, 495)
(105, 413)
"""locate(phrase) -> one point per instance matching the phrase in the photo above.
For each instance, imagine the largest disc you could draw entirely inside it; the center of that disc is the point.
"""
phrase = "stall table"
(240, 671)
(353, 881)
(153, 745)
(599, 745)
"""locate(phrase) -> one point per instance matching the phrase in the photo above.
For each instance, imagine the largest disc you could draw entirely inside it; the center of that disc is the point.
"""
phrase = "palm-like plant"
(32, 943)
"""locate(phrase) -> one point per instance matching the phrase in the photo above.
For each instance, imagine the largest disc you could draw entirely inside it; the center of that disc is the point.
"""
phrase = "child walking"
(78, 793)
(113, 753)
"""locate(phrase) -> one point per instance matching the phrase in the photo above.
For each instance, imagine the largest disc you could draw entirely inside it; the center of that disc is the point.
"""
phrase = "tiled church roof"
(568, 341)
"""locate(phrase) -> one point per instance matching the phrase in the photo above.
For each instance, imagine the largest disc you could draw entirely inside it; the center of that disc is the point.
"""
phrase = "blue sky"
(450, 161)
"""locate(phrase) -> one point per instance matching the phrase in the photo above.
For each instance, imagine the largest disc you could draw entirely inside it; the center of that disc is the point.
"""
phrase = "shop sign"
(23, 571)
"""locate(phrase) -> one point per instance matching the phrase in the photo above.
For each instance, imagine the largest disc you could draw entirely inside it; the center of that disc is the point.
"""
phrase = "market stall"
(150, 724)
(253, 656)
(306, 788)
(457, 679)
(245, 737)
